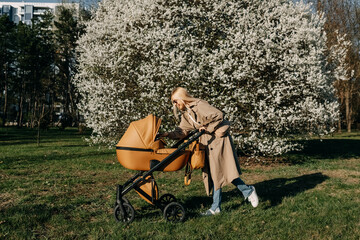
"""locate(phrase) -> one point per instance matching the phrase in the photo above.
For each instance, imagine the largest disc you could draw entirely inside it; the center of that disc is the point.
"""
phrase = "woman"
(222, 166)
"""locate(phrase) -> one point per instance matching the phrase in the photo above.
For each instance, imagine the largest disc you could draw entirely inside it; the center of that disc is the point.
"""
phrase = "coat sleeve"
(210, 116)
(182, 130)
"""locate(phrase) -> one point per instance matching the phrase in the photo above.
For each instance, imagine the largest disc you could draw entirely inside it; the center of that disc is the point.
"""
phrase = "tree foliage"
(263, 63)
(67, 31)
(342, 23)
(37, 64)
(7, 37)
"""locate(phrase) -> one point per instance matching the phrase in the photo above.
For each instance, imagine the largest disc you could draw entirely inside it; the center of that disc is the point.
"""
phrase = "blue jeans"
(246, 190)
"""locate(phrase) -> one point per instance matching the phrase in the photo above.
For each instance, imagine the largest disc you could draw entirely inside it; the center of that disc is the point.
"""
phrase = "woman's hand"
(165, 134)
(202, 129)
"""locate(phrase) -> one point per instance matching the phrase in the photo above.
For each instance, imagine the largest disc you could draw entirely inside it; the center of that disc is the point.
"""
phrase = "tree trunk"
(339, 125)
(41, 116)
(52, 109)
(33, 114)
(73, 106)
(38, 133)
(5, 102)
(347, 107)
(21, 105)
(340, 92)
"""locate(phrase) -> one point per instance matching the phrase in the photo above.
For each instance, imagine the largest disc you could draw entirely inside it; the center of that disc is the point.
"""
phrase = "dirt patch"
(263, 161)
(348, 176)
(350, 163)
(6, 200)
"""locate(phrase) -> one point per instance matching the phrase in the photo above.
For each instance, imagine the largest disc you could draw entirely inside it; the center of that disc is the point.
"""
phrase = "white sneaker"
(253, 198)
(210, 212)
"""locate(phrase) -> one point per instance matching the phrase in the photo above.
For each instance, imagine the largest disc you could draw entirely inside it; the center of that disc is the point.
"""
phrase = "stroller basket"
(138, 147)
(143, 160)
(139, 150)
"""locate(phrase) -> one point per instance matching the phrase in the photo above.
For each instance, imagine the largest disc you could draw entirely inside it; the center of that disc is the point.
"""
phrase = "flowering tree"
(274, 65)
(343, 74)
(262, 62)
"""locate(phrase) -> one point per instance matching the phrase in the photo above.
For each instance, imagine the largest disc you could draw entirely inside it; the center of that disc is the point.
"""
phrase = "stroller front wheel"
(174, 212)
(127, 215)
(124, 200)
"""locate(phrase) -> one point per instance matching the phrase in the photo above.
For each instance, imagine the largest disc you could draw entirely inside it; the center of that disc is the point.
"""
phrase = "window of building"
(28, 12)
(6, 9)
(28, 9)
(28, 16)
(16, 19)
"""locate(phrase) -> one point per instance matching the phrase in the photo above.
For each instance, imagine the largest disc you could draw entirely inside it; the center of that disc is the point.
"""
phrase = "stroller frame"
(172, 210)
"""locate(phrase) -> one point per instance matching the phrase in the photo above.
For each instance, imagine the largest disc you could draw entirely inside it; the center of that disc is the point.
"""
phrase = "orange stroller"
(139, 149)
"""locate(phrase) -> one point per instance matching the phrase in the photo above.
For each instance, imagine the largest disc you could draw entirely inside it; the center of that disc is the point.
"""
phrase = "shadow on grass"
(327, 149)
(271, 190)
(25, 160)
(31, 216)
(14, 135)
(28, 141)
(275, 190)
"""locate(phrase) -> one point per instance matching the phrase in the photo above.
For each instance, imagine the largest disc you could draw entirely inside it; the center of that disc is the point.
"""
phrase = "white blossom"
(262, 62)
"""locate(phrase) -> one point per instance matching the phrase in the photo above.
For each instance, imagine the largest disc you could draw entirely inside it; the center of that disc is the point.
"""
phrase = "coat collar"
(194, 103)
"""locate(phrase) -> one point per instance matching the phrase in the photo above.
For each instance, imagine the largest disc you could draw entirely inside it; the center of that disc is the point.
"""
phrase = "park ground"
(65, 189)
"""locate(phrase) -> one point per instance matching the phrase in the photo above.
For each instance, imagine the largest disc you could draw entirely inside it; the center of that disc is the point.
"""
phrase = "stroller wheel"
(174, 212)
(165, 199)
(127, 216)
(124, 199)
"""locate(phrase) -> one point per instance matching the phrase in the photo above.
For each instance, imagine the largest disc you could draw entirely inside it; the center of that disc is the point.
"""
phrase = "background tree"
(24, 60)
(34, 62)
(342, 72)
(263, 63)
(68, 29)
(44, 81)
(7, 49)
(37, 67)
(343, 18)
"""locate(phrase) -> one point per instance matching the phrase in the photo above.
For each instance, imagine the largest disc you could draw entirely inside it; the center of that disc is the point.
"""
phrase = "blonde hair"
(183, 95)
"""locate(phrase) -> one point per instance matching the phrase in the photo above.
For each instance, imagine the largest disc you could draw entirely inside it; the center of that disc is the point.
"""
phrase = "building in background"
(26, 10)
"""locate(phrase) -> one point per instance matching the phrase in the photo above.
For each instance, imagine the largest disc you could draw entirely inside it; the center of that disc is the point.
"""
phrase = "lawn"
(65, 189)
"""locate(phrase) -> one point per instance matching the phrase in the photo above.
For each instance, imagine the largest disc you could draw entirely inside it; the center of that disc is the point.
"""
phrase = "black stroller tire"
(174, 212)
(127, 216)
(165, 199)
(124, 200)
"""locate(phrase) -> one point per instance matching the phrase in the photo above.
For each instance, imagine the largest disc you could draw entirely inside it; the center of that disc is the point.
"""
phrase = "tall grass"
(64, 189)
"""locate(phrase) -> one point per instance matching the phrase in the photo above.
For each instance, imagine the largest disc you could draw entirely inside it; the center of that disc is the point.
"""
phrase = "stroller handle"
(192, 136)
(195, 132)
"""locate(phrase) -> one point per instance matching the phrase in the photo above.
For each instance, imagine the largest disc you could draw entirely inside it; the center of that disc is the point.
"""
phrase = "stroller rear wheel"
(165, 199)
(174, 212)
(127, 215)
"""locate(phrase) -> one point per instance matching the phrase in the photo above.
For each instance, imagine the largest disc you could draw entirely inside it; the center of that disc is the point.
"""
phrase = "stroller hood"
(141, 133)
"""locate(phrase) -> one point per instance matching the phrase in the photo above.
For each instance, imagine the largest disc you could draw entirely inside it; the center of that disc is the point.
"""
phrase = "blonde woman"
(222, 166)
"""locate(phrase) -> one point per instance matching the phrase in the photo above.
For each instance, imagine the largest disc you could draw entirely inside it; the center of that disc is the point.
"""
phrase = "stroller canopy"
(141, 133)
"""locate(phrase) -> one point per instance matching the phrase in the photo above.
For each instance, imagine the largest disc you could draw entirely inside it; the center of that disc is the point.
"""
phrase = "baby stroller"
(139, 149)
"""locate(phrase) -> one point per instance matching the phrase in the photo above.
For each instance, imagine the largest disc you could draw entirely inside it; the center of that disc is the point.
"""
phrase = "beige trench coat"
(221, 166)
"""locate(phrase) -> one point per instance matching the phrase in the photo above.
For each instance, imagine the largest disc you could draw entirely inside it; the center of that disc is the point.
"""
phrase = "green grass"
(64, 189)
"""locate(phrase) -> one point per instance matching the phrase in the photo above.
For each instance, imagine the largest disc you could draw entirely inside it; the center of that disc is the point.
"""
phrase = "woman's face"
(179, 104)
